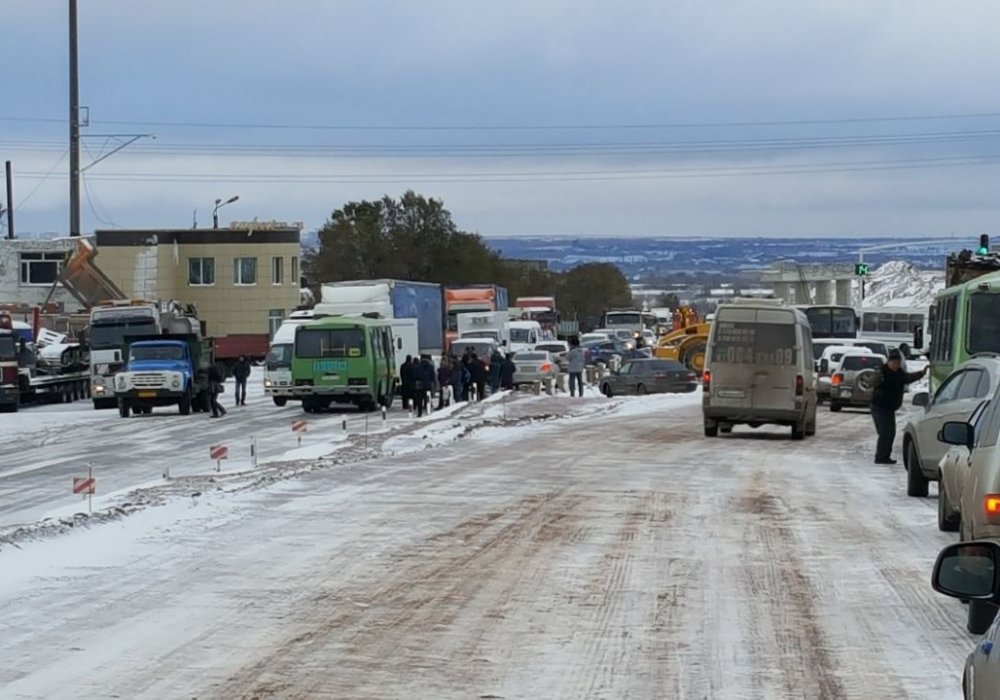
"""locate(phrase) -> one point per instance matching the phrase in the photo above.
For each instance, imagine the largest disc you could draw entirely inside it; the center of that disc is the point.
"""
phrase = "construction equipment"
(686, 345)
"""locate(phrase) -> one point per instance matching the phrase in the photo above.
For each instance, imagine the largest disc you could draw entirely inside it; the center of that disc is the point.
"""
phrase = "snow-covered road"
(612, 555)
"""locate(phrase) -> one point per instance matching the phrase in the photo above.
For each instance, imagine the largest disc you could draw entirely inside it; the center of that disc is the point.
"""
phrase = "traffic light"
(984, 244)
(861, 269)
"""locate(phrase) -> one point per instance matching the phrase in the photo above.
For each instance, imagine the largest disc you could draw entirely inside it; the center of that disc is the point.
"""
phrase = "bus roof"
(346, 322)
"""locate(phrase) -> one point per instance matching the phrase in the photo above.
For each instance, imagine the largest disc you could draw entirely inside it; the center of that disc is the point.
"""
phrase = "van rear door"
(776, 359)
(754, 359)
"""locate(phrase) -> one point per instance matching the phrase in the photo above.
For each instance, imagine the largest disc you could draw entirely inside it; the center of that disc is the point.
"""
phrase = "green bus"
(964, 321)
(344, 359)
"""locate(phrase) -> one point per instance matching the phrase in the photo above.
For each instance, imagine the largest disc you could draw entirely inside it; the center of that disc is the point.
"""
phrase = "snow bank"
(900, 284)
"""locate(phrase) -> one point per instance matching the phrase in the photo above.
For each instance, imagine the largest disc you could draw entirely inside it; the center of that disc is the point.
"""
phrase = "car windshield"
(550, 347)
(481, 334)
(877, 348)
(530, 357)
(330, 342)
(984, 323)
(480, 349)
(520, 335)
(626, 319)
(859, 362)
(665, 366)
(279, 356)
(156, 352)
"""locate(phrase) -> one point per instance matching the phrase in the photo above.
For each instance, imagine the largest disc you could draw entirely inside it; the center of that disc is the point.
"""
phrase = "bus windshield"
(156, 352)
(330, 342)
(832, 321)
(742, 343)
(622, 319)
(984, 323)
(520, 335)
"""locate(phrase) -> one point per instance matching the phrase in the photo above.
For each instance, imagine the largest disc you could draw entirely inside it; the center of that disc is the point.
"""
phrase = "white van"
(759, 369)
(524, 335)
(278, 364)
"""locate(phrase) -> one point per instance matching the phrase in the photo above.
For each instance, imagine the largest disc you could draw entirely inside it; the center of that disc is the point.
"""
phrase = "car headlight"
(176, 382)
(98, 381)
(267, 382)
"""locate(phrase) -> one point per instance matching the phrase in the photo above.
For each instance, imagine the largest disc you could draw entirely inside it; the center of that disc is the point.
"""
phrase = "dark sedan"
(602, 353)
(650, 376)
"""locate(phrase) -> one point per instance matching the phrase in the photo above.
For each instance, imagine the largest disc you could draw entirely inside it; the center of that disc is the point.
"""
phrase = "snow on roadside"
(492, 419)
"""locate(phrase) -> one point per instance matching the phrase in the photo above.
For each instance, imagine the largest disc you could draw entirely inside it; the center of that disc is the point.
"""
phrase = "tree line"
(414, 238)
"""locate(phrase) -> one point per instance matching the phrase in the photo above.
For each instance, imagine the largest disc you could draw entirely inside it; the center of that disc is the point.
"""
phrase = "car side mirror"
(957, 433)
(922, 399)
(824, 366)
(968, 570)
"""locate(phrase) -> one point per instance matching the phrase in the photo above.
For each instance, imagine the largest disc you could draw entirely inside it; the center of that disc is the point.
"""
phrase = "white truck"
(485, 324)
(524, 335)
(278, 364)
(112, 322)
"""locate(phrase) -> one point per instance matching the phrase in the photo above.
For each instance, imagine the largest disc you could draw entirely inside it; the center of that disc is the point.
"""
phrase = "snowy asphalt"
(615, 554)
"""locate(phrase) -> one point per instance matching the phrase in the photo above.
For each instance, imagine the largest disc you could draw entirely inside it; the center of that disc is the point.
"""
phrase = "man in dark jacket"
(507, 370)
(889, 383)
(241, 372)
(215, 380)
(496, 363)
(406, 380)
(478, 370)
(423, 375)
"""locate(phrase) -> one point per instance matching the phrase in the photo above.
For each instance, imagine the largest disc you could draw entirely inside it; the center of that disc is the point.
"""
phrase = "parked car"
(604, 352)
(958, 396)
(955, 468)
(968, 571)
(533, 366)
(651, 376)
(558, 348)
(851, 381)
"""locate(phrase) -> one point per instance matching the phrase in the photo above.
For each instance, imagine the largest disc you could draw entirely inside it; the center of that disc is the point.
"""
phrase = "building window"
(274, 320)
(245, 271)
(201, 272)
(40, 268)
(295, 270)
(277, 270)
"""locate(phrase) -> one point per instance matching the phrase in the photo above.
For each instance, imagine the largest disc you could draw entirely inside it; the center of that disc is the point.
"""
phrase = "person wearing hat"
(889, 386)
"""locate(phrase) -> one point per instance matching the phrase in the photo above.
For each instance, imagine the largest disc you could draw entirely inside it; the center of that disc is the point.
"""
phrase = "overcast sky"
(666, 118)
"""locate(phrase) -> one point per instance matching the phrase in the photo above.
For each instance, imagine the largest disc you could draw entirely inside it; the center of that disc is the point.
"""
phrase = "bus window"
(984, 323)
(332, 342)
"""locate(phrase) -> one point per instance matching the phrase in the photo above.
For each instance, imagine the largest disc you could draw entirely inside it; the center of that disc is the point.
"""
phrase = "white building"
(29, 268)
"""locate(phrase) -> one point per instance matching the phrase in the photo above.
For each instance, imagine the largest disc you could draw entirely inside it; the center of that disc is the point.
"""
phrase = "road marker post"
(384, 416)
(299, 427)
(343, 423)
(218, 453)
(253, 450)
(87, 487)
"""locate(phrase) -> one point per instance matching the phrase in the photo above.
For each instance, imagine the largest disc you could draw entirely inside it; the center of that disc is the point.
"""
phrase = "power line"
(522, 127)
(42, 180)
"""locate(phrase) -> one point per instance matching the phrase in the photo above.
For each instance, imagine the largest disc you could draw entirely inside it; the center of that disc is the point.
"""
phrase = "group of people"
(216, 379)
(457, 379)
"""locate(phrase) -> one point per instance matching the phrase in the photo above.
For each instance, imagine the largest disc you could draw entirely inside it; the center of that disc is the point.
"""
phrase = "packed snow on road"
(523, 547)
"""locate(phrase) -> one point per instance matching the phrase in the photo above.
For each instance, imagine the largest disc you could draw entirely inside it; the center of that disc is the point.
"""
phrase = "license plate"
(147, 394)
(846, 392)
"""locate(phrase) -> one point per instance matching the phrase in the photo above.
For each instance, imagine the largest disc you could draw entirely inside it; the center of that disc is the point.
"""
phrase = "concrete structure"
(242, 282)
(28, 267)
(812, 284)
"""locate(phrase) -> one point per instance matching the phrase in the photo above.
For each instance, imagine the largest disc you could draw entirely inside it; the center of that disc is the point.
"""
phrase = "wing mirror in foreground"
(922, 399)
(957, 433)
(968, 570)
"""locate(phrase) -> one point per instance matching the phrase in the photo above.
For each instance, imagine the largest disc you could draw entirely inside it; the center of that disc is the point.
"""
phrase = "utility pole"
(74, 126)
(10, 200)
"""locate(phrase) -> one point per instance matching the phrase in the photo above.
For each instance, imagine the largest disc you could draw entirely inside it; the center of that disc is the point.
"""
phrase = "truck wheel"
(184, 405)
(279, 400)
(947, 522)
(711, 429)
(834, 406)
(799, 430)
(123, 408)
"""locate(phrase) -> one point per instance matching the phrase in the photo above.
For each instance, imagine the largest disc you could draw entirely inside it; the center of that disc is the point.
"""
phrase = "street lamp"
(218, 205)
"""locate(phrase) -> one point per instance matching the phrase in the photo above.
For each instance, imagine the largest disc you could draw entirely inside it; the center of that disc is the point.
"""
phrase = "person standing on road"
(889, 384)
(406, 380)
(241, 372)
(507, 370)
(496, 362)
(444, 382)
(576, 362)
(215, 380)
(423, 374)
(478, 369)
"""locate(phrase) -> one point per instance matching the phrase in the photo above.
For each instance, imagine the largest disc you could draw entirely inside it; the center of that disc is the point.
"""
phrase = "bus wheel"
(279, 400)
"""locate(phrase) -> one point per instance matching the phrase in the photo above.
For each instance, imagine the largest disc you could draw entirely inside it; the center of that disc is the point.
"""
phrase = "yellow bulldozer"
(687, 345)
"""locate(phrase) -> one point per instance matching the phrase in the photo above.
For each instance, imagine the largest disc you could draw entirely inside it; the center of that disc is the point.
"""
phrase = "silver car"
(956, 476)
(850, 383)
(532, 367)
(968, 571)
(958, 396)
(558, 348)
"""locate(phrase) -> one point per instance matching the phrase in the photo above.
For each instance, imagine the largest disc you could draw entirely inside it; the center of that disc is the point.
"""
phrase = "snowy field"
(530, 547)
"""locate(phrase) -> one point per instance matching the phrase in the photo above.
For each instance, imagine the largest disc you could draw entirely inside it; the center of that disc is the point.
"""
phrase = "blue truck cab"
(161, 371)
